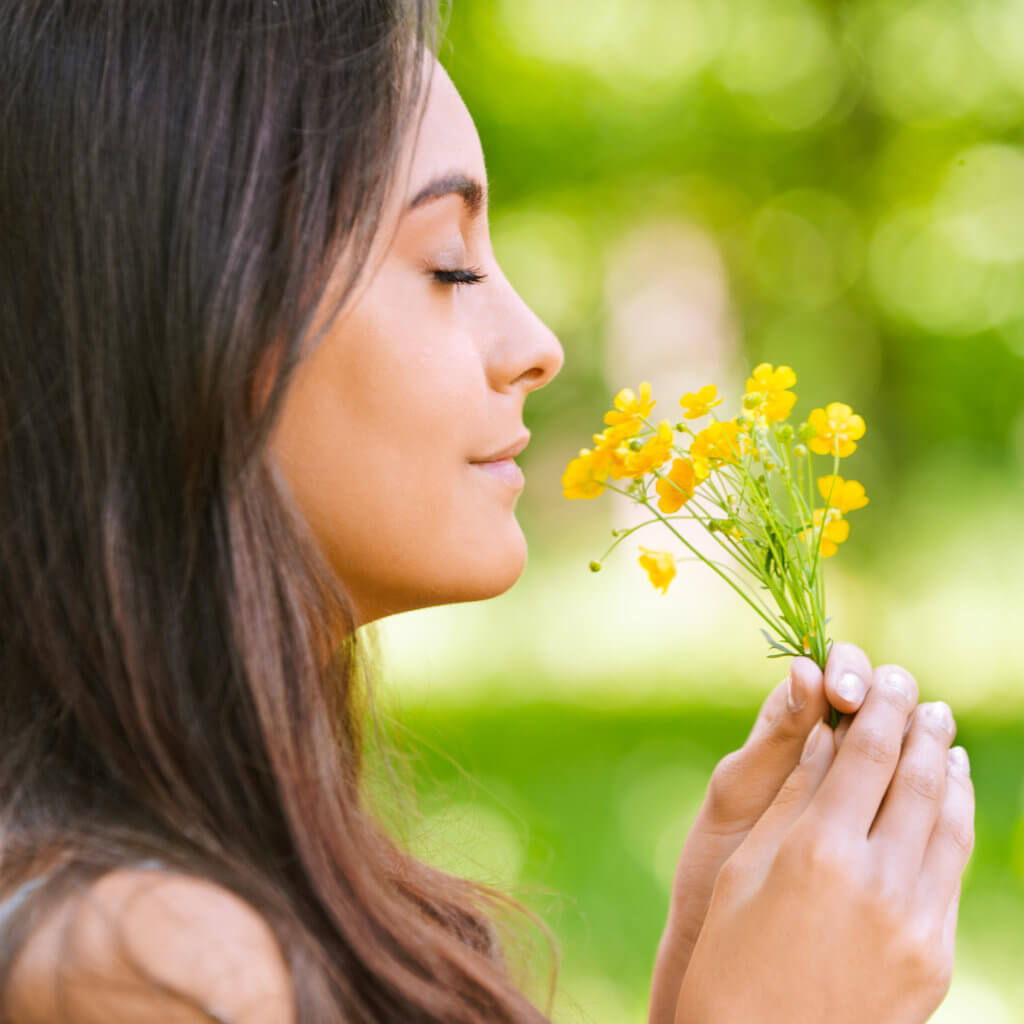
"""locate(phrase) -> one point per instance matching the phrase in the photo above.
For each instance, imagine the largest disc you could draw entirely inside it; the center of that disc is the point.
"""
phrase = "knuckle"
(896, 697)
(923, 781)
(732, 875)
(793, 790)
(873, 744)
(724, 789)
(959, 833)
(888, 903)
(816, 854)
(922, 955)
(777, 723)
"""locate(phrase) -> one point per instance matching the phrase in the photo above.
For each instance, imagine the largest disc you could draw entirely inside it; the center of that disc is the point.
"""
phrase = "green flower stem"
(624, 534)
(774, 623)
(775, 566)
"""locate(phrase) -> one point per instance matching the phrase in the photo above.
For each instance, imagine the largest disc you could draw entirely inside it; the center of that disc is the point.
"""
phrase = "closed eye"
(462, 276)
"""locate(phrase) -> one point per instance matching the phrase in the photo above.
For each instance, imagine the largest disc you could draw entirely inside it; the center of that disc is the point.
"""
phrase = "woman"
(262, 382)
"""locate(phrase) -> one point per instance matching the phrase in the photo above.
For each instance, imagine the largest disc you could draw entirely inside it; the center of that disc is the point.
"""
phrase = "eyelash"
(466, 276)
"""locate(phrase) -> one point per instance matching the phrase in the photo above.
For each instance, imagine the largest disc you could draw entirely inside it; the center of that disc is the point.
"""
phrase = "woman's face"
(394, 429)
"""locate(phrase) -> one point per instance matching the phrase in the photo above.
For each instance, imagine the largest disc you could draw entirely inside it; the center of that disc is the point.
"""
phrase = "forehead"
(447, 139)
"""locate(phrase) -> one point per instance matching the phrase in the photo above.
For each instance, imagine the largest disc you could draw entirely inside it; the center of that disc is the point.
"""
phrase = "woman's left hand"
(743, 786)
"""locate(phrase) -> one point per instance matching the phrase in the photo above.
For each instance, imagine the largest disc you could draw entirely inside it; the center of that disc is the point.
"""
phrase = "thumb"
(796, 792)
(748, 780)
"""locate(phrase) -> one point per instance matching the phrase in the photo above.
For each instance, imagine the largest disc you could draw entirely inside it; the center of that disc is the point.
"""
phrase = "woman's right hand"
(841, 904)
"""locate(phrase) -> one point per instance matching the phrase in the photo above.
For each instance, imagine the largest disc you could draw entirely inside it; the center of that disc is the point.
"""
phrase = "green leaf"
(773, 643)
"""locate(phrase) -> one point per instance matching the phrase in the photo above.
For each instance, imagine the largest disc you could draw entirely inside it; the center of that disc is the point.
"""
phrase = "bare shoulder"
(153, 945)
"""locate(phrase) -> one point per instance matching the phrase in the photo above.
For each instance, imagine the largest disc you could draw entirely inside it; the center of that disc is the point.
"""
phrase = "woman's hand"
(841, 903)
(742, 788)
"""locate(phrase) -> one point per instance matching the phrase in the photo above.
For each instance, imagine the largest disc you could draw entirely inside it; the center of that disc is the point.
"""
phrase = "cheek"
(374, 441)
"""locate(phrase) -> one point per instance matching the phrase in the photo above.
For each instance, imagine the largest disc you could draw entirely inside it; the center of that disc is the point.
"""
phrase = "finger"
(864, 765)
(842, 728)
(949, 923)
(915, 797)
(847, 677)
(952, 839)
(796, 792)
(791, 709)
(746, 781)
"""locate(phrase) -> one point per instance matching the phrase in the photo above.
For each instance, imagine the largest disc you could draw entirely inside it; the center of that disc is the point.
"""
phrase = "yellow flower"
(838, 429)
(699, 403)
(677, 488)
(770, 390)
(836, 531)
(717, 441)
(585, 475)
(630, 411)
(660, 566)
(657, 450)
(846, 495)
(611, 455)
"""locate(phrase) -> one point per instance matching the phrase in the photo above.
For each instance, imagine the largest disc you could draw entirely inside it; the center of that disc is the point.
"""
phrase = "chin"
(493, 575)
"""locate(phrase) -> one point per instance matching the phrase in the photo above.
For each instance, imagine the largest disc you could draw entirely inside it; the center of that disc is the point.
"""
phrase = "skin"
(843, 867)
(830, 857)
(416, 381)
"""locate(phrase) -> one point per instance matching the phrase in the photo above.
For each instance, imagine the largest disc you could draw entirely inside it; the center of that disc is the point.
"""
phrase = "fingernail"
(811, 744)
(851, 688)
(795, 696)
(939, 715)
(959, 762)
(897, 680)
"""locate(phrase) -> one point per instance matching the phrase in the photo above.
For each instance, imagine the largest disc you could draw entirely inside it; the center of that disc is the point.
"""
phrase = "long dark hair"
(175, 181)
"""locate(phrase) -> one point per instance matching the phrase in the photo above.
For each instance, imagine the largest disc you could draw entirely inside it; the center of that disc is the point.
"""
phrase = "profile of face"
(394, 431)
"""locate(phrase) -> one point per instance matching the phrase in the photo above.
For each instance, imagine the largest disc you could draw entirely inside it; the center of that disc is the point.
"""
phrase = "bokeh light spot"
(951, 75)
(981, 203)
(645, 40)
(784, 58)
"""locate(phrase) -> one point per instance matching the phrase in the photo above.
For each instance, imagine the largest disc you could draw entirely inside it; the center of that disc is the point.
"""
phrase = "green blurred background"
(683, 188)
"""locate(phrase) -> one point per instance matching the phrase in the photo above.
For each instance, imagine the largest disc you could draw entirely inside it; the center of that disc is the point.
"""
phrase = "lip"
(506, 453)
(502, 465)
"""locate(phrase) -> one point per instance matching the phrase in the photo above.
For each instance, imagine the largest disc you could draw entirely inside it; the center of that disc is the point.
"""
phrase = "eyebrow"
(472, 192)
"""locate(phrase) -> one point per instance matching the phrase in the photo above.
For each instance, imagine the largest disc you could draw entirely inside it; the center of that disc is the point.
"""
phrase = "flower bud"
(807, 432)
(682, 426)
(595, 566)
(769, 465)
(800, 450)
(752, 400)
(785, 433)
(635, 445)
(721, 525)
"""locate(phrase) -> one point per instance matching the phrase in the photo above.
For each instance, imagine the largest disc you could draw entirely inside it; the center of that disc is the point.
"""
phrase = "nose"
(526, 353)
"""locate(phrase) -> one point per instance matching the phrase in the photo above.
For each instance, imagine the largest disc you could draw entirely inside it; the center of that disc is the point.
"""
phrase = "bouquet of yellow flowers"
(749, 481)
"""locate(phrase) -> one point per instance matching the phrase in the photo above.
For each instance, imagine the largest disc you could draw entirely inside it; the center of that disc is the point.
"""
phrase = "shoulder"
(143, 944)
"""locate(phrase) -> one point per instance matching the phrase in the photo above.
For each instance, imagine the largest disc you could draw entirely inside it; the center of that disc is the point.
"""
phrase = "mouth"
(502, 465)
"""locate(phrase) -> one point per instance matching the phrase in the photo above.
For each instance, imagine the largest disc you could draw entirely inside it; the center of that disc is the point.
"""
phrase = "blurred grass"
(582, 810)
